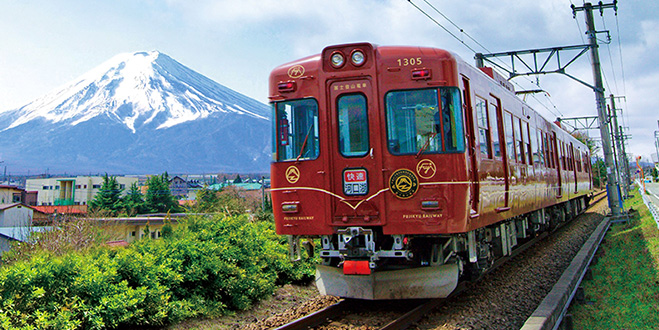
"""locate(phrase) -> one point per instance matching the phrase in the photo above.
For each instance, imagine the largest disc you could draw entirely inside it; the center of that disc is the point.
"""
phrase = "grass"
(624, 291)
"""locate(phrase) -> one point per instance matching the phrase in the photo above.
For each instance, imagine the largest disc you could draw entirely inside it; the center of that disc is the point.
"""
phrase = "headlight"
(337, 60)
(358, 58)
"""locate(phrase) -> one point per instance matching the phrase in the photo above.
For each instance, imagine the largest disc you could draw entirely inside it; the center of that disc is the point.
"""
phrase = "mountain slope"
(142, 113)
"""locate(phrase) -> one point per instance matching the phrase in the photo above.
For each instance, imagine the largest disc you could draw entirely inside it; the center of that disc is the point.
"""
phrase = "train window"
(519, 143)
(417, 122)
(495, 118)
(483, 127)
(527, 141)
(353, 125)
(452, 120)
(510, 138)
(296, 130)
(538, 154)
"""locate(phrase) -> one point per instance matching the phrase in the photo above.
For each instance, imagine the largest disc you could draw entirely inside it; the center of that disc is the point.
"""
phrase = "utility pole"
(623, 163)
(612, 187)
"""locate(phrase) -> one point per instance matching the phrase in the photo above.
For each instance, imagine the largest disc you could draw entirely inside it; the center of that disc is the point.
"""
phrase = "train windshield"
(424, 120)
(296, 130)
(353, 125)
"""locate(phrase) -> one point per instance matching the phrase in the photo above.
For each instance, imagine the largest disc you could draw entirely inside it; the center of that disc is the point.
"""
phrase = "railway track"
(412, 311)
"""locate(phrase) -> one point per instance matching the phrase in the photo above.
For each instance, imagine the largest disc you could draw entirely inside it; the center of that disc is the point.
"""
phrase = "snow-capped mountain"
(140, 112)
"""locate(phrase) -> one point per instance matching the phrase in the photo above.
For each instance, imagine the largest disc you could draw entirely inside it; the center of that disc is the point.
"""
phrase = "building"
(14, 194)
(45, 214)
(178, 187)
(132, 229)
(72, 190)
(16, 224)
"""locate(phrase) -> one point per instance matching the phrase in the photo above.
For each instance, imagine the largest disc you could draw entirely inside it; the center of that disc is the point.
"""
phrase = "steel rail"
(553, 309)
(424, 307)
(318, 317)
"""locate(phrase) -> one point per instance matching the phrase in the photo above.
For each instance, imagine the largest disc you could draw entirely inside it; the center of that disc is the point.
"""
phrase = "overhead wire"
(555, 111)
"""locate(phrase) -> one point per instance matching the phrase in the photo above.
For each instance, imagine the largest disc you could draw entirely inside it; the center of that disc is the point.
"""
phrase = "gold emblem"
(296, 71)
(426, 169)
(403, 183)
(292, 174)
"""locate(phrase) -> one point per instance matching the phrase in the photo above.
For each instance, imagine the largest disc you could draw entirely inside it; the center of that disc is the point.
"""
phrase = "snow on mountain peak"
(137, 89)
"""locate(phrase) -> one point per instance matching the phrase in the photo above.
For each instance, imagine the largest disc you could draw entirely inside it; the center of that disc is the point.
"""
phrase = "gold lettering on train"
(347, 87)
(422, 216)
(296, 71)
(426, 169)
(310, 217)
(407, 61)
(292, 174)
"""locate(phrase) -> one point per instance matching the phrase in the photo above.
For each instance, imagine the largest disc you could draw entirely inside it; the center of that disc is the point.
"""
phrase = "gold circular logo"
(403, 183)
(296, 71)
(426, 169)
(292, 174)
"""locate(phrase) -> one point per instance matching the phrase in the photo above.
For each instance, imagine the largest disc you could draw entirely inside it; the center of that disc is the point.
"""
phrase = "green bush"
(206, 267)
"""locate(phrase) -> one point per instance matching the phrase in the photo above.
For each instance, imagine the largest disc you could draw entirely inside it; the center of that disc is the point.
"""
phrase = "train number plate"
(355, 182)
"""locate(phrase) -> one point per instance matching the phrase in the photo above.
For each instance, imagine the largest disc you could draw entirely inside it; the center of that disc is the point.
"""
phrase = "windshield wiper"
(304, 144)
(426, 145)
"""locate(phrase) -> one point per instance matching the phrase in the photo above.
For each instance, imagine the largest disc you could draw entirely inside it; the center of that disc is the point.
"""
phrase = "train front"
(369, 156)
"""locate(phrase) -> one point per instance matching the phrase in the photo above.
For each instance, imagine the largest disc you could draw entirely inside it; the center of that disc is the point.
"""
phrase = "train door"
(557, 159)
(573, 161)
(474, 186)
(500, 151)
(355, 170)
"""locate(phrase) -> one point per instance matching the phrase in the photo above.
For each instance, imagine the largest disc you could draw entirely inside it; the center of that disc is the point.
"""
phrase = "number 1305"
(409, 61)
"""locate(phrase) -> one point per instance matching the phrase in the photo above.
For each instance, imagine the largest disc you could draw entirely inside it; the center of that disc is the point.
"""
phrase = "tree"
(587, 140)
(237, 179)
(207, 201)
(158, 196)
(134, 201)
(109, 196)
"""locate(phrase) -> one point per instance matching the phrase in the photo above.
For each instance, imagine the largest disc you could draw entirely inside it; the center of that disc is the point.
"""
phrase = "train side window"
(296, 130)
(495, 118)
(538, 154)
(353, 125)
(452, 133)
(483, 127)
(416, 121)
(510, 138)
(528, 152)
(519, 143)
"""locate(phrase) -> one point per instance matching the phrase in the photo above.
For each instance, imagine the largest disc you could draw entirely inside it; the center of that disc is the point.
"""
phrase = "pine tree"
(109, 196)
(134, 201)
(158, 197)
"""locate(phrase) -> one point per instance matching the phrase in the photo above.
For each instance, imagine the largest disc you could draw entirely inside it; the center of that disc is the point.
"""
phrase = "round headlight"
(337, 60)
(358, 58)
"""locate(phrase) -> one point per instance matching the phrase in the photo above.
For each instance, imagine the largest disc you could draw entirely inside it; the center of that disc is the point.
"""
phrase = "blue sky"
(45, 44)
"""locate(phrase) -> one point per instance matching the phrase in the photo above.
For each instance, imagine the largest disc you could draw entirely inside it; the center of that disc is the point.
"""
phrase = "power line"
(480, 45)
(440, 25)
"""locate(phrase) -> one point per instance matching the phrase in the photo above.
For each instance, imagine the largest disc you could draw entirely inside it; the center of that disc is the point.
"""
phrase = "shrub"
(206, 267)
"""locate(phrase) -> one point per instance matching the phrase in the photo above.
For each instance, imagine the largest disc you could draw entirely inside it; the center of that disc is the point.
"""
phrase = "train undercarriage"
(359, 262)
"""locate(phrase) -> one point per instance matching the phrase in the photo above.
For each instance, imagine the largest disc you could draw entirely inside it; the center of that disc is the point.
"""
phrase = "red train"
(415, 169)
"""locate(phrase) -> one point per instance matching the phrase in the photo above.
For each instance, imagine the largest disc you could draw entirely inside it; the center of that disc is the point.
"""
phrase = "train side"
(414, 168)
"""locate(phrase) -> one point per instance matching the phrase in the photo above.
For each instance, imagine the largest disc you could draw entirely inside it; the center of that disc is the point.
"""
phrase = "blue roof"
(245, 186)
(21, 233)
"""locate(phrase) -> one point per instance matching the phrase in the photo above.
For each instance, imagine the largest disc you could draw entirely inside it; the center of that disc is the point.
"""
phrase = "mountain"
(140, 112)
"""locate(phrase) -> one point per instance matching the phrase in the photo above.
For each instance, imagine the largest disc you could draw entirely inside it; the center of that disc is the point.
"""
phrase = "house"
(16, 224)
(77, 190)
(132, 229)
(14, 194)
(15, 215)
(178, 187)
(44, 214)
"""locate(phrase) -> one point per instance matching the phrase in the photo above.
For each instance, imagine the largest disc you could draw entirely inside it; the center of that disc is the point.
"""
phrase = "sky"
(46, 44)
